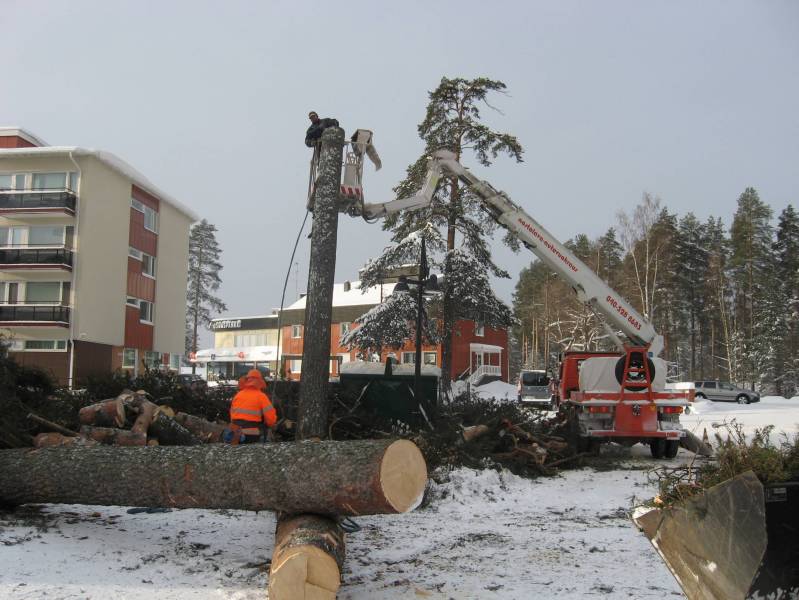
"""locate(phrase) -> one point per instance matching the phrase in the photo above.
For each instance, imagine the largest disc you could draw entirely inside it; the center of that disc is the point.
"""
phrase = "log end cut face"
(403, 475)
(304, 573)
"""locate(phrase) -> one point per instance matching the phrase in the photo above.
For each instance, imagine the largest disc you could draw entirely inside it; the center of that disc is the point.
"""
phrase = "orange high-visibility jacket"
(251, 404)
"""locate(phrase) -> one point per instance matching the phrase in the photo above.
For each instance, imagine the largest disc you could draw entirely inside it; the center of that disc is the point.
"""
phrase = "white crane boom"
(591, 290)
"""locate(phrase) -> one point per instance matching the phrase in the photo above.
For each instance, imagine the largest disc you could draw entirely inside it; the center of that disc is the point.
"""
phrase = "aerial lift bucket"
(735, 541)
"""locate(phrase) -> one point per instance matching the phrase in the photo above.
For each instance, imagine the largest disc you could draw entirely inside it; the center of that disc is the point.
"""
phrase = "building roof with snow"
(107, 158)
(349, 302)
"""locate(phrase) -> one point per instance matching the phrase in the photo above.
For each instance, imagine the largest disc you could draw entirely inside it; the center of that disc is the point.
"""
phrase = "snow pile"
(497, 390)
(771, 410)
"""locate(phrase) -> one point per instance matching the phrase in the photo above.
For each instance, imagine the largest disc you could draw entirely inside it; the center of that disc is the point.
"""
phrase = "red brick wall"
(462, 337)
(14, 141)
(137, 335)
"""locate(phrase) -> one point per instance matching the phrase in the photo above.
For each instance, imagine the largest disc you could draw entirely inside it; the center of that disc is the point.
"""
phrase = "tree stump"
(205, 431)
(307, 560)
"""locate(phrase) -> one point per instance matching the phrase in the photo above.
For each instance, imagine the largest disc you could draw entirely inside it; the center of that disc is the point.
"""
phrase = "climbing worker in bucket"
(251, 411)
(318, 126)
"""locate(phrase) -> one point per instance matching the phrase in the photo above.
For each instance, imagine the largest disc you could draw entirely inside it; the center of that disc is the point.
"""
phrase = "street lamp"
(426, 282)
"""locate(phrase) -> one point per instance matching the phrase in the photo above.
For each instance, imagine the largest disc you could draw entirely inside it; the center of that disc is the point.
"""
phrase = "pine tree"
(453, 122)
(204, 268)
(786, 250)
(751, 240)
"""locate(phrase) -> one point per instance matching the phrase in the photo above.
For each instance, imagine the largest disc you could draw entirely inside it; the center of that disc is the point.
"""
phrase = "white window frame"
(153, 214)
(135, 358)
(131, 301)
(295, 365)
(346, 326)
(409, 358)
(137, 204)
(14, 177)
(23, 293)
(55, 347)
(296, 332)
(144, 258)
(151, 320)
(24, 238)
(135, 253)
(30, 176)
(479, 330)
(425, 355)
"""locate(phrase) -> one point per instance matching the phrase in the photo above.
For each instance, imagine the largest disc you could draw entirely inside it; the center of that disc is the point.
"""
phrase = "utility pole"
(313, 406)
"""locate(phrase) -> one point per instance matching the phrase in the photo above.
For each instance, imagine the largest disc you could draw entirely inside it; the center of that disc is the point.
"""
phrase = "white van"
(533, 389)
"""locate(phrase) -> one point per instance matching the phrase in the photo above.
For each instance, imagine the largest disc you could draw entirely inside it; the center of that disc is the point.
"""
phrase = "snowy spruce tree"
(203, 280)
(786, 251)
(752, 275)
(453, 121)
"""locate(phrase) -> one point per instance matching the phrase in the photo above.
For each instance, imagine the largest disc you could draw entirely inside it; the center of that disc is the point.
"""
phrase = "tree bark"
(307, 560)
(117, 437)
(313, 406)
(205, 431)
(108, 413)
(50, 440)
(346, 478)
(144, 420)
(169, 432)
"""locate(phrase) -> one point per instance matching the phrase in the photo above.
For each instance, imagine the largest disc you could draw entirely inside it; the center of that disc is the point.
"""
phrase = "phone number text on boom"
(621, 310)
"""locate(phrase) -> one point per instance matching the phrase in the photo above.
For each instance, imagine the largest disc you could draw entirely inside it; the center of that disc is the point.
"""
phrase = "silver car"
(533, 389)
(723, 391)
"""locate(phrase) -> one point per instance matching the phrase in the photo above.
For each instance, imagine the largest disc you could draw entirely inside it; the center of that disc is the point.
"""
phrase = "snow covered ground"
(482, 535)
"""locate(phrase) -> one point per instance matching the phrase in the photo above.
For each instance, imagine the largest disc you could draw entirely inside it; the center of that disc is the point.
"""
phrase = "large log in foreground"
(335, 478)
(307, 560)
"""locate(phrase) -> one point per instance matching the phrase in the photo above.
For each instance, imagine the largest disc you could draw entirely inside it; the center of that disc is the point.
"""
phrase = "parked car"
(534, 390)
(192, 383)
(724, 391)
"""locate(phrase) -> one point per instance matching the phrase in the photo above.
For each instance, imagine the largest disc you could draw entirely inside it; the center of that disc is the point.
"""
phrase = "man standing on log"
(251, 411)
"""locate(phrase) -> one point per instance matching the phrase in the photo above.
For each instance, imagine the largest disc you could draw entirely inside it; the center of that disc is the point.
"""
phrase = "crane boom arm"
(590, 289)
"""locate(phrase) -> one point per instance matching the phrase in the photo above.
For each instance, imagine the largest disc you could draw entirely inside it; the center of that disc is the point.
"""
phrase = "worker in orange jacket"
(251, 410)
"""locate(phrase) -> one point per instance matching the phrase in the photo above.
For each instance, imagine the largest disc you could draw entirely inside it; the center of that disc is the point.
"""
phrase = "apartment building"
(93, 261)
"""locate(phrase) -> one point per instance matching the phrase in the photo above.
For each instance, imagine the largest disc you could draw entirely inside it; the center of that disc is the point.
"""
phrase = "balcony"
(33, 314)
(36, 258)
(34, 202)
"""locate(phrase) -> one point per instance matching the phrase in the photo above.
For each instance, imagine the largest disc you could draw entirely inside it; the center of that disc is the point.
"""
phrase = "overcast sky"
(691, 101)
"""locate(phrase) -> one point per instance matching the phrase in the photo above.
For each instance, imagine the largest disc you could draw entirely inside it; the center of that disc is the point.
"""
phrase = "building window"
(174, 362)
(479, 330)
(296, 331)
(12, 236)
(150, 215)
(43, 292)
(134, 253)
(14, 181)
(49, 181)
(430, 358)
(152, 359)
(345, 327)
(129, 358)
(295, 366)
(148, 265)
(73, 181)
(145, 311)
(131, 301)
(249, 339)
(409, 358)
(46, 236)
(45, 345)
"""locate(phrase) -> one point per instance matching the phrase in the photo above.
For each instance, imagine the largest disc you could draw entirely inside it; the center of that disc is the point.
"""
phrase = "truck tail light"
(671, 410)
(599, 409)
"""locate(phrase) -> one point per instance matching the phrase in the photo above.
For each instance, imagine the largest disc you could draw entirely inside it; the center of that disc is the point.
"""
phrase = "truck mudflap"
(737, 540)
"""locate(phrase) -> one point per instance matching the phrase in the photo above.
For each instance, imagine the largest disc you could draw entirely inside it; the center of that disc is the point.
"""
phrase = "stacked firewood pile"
(130, 419)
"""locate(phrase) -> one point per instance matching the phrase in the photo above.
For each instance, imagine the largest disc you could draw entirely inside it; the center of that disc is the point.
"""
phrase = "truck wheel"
(672, 446)
(743, 399)
(657, 446)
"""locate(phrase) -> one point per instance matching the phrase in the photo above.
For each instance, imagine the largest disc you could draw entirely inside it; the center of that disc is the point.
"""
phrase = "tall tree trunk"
(197, 310)
(313, 405)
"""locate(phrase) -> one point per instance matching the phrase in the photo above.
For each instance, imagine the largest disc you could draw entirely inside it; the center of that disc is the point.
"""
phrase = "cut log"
(474, 432)
(169, 432)
(50, 440)
(307, 560)
(334, 478)
(147, 411)
(108, 413)
(696, 444)
(111, 436)
(206, 431)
